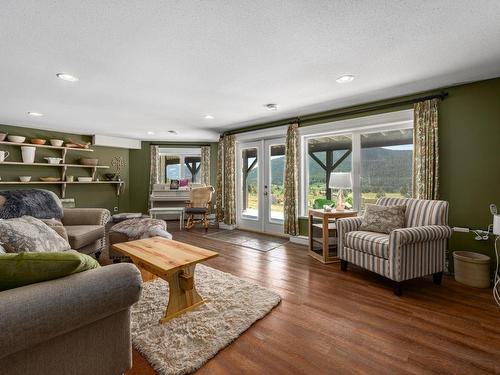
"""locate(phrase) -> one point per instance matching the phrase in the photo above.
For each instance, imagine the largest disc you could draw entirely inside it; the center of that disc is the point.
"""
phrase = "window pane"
(250, 183)
(386, 165)
(172, 168)
(192, 166)
(277, 177)
(327, 154)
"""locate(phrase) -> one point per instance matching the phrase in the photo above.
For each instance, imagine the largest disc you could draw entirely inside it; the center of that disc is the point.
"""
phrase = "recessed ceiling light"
(271, 107)
(209, 117)
(345, 78)
(151, 133)
(173, 132)
(67, 77)
(36, 114)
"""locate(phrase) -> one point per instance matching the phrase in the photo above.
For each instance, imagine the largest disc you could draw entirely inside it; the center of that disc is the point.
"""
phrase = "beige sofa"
(78, 325)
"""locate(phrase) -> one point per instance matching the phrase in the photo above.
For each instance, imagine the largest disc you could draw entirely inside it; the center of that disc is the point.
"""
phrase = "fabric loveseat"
(417, 250)
(83, 228)
(79, 324)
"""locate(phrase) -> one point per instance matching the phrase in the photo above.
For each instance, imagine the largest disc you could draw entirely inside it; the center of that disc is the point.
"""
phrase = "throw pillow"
(29, 234)
(27, 268)
(383, 219)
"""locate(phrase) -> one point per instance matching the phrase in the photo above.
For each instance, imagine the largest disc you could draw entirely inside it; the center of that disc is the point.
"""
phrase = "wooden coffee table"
(172, 261)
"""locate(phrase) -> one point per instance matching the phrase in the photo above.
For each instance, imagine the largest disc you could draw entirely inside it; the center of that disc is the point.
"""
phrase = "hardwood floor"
(331, 322)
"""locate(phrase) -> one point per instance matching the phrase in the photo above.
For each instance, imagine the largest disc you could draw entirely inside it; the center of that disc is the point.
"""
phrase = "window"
(250, 186)
(386, 165)
(377, 150)
(180, 163)
(326, 155)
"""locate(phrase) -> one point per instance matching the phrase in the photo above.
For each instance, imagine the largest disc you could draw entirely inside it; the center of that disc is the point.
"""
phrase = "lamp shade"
(340, 180)
(496, 225)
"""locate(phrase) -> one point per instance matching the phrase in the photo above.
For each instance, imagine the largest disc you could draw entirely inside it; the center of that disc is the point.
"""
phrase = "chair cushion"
(383, 219)
(196, 210)
(83, 235)
(369, 242)
(28, 268)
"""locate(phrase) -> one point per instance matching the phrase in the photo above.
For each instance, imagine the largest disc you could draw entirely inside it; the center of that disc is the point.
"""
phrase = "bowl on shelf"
(56, 142)
(84, 179)
(38, 141)
(109, 176)
(87, 161)
(16, 138)
(24, 178)
(50, 179)
(3, 136)
(53, 160)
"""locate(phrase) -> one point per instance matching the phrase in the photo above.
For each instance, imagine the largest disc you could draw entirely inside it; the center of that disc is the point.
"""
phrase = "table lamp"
(340, 180)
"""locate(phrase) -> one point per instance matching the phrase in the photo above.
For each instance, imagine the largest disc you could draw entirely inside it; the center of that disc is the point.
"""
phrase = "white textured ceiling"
(154, 65)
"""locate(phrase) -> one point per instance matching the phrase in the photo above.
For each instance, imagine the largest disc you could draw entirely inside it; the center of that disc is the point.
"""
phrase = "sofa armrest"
(405, 236)
(39, 312)
(86, 216)
(346, 225)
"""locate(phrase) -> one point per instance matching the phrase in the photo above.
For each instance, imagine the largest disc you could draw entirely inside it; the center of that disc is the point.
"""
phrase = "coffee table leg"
(182, 293)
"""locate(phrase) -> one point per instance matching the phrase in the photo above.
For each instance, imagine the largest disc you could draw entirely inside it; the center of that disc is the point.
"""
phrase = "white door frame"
(269, 225)
(263, 222)
(246, 222)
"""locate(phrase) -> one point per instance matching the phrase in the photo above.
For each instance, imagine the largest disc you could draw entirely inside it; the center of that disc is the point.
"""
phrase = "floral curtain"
(162, 168)
(154, 172)
(229, 181)
(205, 165)
(219, 211)
(291, 224)
(426, 150)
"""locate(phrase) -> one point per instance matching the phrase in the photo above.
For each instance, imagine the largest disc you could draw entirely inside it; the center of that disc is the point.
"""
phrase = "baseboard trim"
(227, 226)
(301, 240)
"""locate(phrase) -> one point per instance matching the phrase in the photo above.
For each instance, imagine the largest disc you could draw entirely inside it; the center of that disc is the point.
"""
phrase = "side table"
(325, 241)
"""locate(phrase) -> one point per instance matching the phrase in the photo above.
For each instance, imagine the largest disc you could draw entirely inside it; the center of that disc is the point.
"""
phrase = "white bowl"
(53, 160)
(56, 142)
(84, 179)
(16, 138)
(24, 178)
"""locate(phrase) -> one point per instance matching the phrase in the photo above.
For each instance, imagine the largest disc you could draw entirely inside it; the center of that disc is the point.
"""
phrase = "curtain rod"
(347, 112)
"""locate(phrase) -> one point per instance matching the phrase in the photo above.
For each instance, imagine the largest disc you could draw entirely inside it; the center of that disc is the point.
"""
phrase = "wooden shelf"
(7, 143)
(118, 184)
(53, 165)
(58, 182)
(62, 183)
(331, 226)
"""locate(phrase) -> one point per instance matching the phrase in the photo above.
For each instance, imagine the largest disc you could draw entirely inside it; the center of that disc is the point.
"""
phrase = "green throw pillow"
(28, 268)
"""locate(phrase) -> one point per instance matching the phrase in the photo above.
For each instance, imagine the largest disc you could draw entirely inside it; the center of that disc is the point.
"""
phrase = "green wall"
(469, 121)
(85, 195)
(469, 130)
(140, 163)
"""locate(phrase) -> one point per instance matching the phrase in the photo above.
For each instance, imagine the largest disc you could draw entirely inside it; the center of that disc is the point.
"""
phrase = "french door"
(260, 185)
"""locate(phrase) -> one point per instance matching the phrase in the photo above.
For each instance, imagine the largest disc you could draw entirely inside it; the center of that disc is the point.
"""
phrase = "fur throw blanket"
(139, 228)
(39, 203)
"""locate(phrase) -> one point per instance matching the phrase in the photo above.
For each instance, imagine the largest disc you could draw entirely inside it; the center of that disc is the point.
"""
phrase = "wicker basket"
(472, 269)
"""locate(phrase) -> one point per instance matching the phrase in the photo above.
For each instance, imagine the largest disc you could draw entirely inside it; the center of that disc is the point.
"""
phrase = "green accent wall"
(469, 131)
(140, 164)
(469, 120)
(85, 195)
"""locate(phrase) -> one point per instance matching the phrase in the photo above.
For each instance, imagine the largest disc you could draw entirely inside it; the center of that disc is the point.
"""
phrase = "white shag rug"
(187, 342)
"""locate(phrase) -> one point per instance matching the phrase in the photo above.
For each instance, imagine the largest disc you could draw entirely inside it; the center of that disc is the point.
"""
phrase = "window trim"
(398, 120)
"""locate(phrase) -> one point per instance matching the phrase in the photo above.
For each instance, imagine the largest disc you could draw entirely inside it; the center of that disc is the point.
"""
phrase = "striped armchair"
(407, 253)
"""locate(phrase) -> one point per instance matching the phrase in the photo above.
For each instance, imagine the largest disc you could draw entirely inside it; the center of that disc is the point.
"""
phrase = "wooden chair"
(199, 205)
